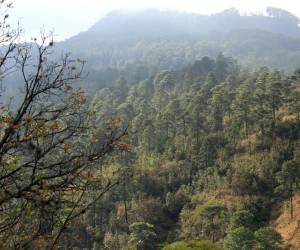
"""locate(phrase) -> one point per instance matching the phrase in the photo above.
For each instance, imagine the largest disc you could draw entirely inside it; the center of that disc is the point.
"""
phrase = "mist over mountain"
(152, 130)
(156, 24)
(136, 45)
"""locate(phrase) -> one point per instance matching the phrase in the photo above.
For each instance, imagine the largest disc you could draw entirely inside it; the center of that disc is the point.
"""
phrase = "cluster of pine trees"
(212, 152)
(198, 157)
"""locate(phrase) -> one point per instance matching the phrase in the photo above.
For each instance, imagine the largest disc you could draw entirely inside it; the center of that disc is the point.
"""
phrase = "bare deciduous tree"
(51, 151)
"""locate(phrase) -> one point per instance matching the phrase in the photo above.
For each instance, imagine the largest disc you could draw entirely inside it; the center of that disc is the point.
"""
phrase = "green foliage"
(242, 218)
(239, 239)
(115, 241)
(205, 221)
(142, 235)
(289, 179)
(206, 132)
(209, 153)
(267, 239)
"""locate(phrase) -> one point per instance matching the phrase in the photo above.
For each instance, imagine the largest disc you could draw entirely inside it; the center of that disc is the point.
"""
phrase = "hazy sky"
(69, 17)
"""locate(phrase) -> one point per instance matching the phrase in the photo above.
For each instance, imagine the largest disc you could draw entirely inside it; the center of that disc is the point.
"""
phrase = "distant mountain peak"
(170, 23)
(171, 39)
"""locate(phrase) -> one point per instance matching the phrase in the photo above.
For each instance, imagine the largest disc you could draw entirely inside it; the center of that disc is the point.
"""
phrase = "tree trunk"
(291, 207)
(125, 210)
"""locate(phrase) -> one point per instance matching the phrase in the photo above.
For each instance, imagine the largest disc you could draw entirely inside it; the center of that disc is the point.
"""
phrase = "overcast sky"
(69, 17)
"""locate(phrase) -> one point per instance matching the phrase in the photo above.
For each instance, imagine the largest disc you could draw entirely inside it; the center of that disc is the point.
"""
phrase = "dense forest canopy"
(185, 136)
(215, 153)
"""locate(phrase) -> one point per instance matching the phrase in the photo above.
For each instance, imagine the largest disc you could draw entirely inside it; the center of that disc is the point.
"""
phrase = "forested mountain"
(213, 154)
(185, 136)
(137, 45)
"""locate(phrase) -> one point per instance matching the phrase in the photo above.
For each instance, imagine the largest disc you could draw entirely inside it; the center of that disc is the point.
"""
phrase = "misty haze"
(147, 125)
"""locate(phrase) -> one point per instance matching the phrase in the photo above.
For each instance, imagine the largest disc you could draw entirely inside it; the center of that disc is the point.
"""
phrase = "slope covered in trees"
(289, 228)
(213, 152)
(172, 150)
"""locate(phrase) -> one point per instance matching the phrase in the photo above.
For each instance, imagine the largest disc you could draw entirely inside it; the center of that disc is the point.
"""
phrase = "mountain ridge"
(137, 45)
(227, 20)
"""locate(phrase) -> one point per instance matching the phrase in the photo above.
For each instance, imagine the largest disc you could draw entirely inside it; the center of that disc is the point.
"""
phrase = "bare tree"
(51, 151)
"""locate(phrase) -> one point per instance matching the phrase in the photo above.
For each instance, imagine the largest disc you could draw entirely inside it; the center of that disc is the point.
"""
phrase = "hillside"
(289, 228)
(162, 131)
(137, 45)
(214, 151)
